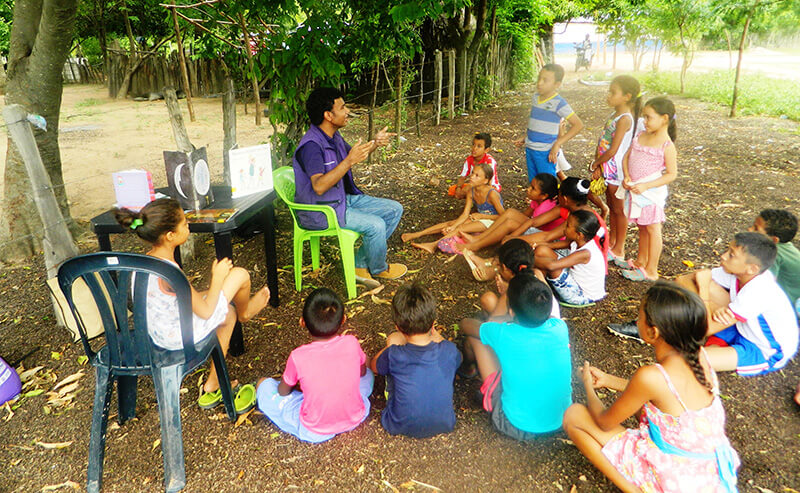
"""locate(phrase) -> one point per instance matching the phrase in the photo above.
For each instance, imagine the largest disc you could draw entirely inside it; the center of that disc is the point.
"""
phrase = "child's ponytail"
(576, 189)
(155, 219)
(664, 106)
(516, 255)
(681, 319)
(629, 85)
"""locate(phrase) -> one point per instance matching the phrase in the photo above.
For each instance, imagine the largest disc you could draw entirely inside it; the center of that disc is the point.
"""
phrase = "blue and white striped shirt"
(544, 120)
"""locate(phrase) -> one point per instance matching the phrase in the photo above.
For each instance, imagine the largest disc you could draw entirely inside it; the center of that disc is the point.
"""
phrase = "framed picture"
(189, 178)
(251, 170)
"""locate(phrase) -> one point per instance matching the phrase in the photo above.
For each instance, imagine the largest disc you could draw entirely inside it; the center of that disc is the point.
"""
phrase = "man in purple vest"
(322, 172)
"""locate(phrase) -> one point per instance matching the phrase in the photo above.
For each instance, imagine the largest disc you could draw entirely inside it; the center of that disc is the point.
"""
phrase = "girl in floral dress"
(680, 444)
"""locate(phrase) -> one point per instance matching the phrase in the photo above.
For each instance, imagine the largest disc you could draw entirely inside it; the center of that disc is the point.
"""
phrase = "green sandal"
(210, 400)
(570, 305)
(245, 399)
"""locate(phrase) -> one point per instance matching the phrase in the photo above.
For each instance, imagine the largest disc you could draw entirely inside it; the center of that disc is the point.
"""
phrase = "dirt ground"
(728, 171)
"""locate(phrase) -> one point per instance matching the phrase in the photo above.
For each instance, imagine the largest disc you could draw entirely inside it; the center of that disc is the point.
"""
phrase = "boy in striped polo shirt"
(542, 141)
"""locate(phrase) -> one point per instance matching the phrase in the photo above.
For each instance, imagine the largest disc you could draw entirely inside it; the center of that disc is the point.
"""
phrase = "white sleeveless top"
(591, 276)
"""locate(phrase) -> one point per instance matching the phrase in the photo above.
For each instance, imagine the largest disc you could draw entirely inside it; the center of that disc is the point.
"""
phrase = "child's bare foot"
(482, 269)
(406, 237)
(215, 386)
(428, 247)
(257, 303)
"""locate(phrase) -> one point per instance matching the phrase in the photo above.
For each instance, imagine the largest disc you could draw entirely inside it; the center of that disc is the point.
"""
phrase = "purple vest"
(334, 151)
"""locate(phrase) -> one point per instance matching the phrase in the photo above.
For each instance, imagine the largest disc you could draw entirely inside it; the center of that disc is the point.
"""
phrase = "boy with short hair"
(542, 141)
(524, 363)
(781, 226)
(419, 366)
(330, 371)
(754, 325)
(481, 143)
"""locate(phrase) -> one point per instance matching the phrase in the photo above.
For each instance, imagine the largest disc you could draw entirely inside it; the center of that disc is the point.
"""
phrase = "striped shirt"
(544, 120)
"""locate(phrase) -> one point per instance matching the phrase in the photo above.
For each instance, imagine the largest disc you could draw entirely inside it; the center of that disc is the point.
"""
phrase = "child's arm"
(471, 327)
(284, 388)
(598, 202)
(462, 218)
(396, 338)
(626, 182)
(638, 391)
(202, 306)
(574, 258)
(623, 124)
(670, 161)
(576, 125)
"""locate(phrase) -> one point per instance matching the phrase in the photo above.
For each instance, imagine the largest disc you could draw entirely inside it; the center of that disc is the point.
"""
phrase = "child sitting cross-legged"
(326, 385)
(680, 443)
(419, 366)
(524, 362)
(488, 204)
(753, 323)
(576, 266)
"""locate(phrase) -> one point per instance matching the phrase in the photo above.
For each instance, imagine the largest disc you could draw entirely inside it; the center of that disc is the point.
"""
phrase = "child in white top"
(577, 275)
(162, 224)
(623, 96)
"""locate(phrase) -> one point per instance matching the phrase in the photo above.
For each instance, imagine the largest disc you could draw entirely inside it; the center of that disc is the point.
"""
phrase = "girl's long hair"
(517, 255)
(664, 106)
(630, 85)
(681, 319)
(155, 219)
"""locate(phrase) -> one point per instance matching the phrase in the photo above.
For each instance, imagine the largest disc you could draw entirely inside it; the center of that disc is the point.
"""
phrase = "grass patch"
(758, 95)
(87, 103)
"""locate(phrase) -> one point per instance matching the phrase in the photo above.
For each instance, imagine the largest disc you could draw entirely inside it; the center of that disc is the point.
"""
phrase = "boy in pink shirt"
(331, 371)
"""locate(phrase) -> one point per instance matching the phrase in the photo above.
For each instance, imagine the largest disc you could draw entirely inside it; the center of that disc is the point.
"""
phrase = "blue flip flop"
(636, 274)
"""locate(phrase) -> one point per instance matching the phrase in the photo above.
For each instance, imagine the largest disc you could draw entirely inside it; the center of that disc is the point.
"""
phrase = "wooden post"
(462, 83)
(421, 86)
(184, 145)
(437, 105)
(182, 58)
(250, 64)
(398, 111)
(451, 84)
(57, 241)
(371, 114)
(228, 127)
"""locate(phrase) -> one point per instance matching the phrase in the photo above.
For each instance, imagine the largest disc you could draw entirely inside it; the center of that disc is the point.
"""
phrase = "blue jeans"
(539, 162)
(376, 219)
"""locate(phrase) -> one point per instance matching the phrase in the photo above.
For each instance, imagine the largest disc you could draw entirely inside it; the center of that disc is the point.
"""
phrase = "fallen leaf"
(28, 374)
(83, 359)
(360, 469)
(241, 474)
(53, 445)
(390, 486)
(380, 301)
(69, 388)
(244, 418)
(372, 292)
(156, 443)
(33, 393)
(55, 355)
(274, 435)
(420, 483)
(688, 263)
(65, 484)
(70, 379)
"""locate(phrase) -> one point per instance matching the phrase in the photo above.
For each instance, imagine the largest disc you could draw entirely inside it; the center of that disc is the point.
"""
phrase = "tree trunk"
(41, 36)
(472, 51)
(739, 61)
(547, 44)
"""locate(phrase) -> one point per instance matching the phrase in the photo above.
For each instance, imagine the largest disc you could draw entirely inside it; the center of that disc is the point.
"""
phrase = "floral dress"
(699, 433)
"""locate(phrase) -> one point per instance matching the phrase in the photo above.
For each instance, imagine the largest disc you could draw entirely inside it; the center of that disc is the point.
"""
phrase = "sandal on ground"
(245, 399)
(210, 400)
(624, 264)
(618, 261)
(482, 269)
(571, 305)
(637, 274)
(448, 245)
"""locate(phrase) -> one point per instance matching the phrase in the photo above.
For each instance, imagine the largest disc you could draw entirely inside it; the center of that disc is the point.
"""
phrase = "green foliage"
(6, 15)
(91, 50)
(770, 22)
(758, 95)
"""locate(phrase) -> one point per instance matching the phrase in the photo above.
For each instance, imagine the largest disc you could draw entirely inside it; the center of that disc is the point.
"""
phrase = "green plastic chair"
(283, 179)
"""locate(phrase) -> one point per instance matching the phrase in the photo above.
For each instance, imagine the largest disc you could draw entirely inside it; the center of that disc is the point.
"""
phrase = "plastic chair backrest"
(283, 181)
(129, 346)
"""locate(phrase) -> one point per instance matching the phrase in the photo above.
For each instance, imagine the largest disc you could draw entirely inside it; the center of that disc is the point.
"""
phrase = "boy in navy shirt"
(419, 366)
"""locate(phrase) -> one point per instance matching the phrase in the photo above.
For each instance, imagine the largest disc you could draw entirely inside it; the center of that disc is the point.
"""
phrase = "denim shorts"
(568, 289)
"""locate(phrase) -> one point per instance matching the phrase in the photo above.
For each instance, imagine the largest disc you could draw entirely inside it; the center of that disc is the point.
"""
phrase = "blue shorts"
(284, 411)
(539, 162)
(568, 290)
(750, 360)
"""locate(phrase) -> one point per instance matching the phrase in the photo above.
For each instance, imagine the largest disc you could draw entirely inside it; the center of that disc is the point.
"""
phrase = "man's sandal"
(245, 399)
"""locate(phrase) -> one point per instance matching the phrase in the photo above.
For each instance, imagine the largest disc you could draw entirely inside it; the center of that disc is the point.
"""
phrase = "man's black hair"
(413, 309)
(323, 313)
(530, 299)
(485, 137)
(779, 223)
(761, 249)
(558, 71)
(319, 101)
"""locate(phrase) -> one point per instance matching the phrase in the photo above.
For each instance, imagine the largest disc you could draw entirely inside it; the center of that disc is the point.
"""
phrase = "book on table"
(133, 188)
(189, 178)
(251, 170)
(210, 215)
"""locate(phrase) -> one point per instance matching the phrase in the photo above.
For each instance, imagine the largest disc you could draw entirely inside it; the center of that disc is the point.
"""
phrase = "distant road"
(777, 64)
